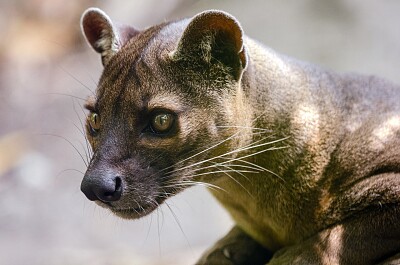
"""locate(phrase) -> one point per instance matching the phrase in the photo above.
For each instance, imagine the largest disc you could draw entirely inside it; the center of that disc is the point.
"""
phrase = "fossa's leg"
(369, 238)
(394, 260)
(236, 248)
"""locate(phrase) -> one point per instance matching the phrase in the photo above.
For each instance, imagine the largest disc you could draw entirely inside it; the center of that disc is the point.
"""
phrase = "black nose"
(104, 188)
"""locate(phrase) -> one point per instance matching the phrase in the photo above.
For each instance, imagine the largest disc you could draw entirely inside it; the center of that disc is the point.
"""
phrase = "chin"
(132, 213)
(127, 212)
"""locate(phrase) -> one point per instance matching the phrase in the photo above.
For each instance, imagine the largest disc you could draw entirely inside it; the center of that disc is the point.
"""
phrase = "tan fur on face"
(239, 118)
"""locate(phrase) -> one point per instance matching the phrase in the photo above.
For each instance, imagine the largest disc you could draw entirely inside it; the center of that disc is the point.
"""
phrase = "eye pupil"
(163, 119)
(94, 122)
(162, 123)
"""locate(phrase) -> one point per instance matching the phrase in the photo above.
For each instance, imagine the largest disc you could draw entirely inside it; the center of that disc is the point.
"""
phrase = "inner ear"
(102, 35)
(214, 36)
(226, 51)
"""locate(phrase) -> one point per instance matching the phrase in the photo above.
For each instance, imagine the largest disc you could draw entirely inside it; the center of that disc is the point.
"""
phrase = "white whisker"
(199, 153)
(185, 183)
(222, 171)
(244, 127)
(179, 225)
(248, 147)
(237, 181)
(255, 166)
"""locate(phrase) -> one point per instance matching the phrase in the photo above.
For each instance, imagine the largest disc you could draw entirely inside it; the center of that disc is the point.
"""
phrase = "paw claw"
(226, 253)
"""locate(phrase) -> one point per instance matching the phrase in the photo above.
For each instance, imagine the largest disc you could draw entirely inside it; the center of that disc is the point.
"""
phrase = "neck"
(292, 100)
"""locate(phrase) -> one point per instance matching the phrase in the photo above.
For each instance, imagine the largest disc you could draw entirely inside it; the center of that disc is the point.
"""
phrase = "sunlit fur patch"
(307, 120)
(238, 117)
(330, 250)
(385, 132)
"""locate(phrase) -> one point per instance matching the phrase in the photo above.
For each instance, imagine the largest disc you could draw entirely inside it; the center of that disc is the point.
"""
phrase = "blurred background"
(46, 72)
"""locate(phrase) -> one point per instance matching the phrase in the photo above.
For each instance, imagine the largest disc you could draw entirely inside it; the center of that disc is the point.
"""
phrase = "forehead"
(134, 75)
(135, 88)
(141, 75)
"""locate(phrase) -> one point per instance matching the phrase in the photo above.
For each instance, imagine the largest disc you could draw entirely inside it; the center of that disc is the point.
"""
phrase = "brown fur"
(320, 183)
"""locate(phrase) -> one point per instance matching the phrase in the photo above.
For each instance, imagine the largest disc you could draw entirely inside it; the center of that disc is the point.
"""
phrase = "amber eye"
(94, 122)
(162, 122)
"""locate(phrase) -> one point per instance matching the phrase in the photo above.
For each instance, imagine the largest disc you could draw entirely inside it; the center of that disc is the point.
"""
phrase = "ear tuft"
(102, 35)
(214, 35)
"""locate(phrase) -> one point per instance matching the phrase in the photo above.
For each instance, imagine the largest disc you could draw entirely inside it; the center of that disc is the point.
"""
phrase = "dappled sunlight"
(306, 117)
(333, 246)
(385, 132)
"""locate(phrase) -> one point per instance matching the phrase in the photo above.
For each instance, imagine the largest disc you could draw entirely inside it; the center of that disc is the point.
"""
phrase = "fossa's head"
(166, 110)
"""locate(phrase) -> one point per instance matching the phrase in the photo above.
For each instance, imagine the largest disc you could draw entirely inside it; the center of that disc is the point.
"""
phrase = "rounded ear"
(214, 36)
(102, 35)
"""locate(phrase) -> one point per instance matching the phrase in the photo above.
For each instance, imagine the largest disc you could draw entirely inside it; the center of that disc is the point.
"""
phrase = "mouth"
(131, 212)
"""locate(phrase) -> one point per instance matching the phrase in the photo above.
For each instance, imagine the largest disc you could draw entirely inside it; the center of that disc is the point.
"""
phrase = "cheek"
(92, 141)
(201, 131)
(197, 124)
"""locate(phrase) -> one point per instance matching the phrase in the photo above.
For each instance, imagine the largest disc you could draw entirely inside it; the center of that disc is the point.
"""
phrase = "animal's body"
(306, 161)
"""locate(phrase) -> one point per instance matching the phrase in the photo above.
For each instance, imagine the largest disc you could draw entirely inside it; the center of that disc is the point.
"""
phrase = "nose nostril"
(115, 195)
(118, 183)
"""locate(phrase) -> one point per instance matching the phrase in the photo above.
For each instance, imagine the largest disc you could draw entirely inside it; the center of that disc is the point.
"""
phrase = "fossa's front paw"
(220, 256)
(236, 248)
